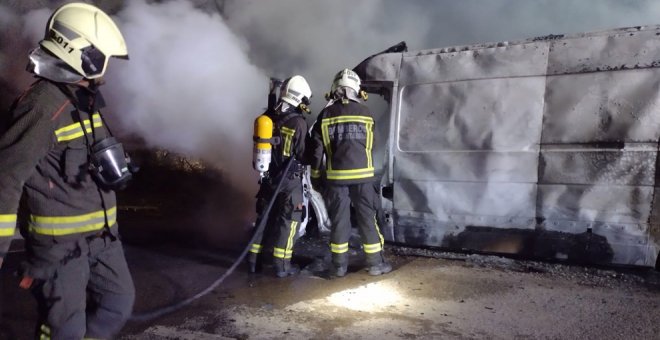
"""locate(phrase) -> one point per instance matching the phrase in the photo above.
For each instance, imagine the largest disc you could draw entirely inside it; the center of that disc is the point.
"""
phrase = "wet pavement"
(429, 295)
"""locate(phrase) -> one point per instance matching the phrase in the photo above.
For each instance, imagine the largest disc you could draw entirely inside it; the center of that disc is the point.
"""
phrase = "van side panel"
(598, 159)
(544, 148)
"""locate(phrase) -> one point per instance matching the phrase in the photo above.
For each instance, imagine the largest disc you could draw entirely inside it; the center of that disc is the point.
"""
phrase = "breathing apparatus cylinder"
(263, 134)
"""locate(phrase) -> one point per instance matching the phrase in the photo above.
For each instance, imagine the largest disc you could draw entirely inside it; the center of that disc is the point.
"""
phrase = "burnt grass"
(175, 199)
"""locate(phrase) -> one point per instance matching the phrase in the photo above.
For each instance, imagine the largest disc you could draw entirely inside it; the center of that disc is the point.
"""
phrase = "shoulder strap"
(71, 96)
(289, 116)
(74, 101)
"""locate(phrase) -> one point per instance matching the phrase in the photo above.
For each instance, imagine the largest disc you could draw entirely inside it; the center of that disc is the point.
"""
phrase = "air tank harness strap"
(274, 141)
(68, 93)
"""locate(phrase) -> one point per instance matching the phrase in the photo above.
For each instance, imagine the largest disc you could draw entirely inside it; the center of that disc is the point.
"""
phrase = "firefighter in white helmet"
(341, 141)
(58, 151)
(289, 132)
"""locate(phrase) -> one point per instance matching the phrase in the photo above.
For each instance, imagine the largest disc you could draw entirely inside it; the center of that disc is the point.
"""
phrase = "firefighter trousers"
(284, 218)
(366, 200)
(89, 293)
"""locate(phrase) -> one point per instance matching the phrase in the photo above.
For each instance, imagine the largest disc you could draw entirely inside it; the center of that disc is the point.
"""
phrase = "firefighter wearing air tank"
(343, 136)
(57, 150)
(288, 142)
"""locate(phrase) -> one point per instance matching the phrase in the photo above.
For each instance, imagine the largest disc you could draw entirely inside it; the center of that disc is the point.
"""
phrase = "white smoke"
(18, 34)
(196, 80)
(189, 85)
(319, 38)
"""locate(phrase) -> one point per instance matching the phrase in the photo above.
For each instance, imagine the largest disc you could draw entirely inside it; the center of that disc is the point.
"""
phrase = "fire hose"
(258, 230)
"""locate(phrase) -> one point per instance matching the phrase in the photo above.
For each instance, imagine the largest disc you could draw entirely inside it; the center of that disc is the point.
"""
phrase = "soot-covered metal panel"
(477, 166)
(382, 67)
(490, 114)
(481, 63)
(629, 48)
(545, 148)
(599, 145)
(616, 106)
(464, 203)
(581, 205)
(585, 165)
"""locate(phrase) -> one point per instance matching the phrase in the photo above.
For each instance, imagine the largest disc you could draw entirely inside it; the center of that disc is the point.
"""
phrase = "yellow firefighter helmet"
(84, 37)
(296, 92)
(348, 79)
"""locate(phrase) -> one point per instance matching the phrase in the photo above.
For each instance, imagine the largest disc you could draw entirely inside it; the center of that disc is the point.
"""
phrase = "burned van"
(544, 148)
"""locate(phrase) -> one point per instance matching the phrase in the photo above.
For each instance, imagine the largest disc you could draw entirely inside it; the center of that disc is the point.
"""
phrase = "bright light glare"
(367, 298)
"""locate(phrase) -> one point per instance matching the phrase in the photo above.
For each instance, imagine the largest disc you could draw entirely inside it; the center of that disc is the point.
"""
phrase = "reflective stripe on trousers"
(339, 248)
(7, 225)
(375, 247)
(255, 248)
(91, 295)
(287, 252)
(67, 225)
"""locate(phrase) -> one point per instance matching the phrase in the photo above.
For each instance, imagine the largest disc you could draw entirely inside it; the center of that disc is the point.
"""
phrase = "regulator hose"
(141, 317)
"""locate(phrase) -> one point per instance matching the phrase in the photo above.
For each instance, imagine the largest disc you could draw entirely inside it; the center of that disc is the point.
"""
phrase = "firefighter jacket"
(43, 153)
(291, 128)
(343, 132)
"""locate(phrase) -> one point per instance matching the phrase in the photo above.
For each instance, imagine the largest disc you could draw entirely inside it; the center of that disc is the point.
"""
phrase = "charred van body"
(544, 148)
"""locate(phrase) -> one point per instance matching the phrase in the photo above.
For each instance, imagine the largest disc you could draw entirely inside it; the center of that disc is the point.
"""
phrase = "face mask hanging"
(110, 165)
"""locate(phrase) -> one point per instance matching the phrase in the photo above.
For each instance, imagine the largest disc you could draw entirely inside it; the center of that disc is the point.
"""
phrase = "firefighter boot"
(339, 265)
(284, 268)
(252, 262)
(377, 264)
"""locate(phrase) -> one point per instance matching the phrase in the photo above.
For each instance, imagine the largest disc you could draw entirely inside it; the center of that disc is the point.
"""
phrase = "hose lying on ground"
(262, 224)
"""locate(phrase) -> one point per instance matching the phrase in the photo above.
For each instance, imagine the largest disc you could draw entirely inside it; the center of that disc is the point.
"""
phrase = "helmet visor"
(93, 61)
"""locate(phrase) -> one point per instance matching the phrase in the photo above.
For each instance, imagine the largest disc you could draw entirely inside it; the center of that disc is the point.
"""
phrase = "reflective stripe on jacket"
(44, 154)
(67, 225)
(344, 134)
(291, 128)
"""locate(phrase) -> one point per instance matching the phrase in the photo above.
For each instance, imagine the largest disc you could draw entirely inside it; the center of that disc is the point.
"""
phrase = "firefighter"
(290, 130)
(341, 143)
(57, 149)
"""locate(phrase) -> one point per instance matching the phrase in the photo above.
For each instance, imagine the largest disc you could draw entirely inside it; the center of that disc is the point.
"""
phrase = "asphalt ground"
(429, 295)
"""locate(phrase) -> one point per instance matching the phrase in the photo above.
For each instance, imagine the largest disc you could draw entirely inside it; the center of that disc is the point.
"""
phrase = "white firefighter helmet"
(84, 37)
(296, 92)
(346, 78)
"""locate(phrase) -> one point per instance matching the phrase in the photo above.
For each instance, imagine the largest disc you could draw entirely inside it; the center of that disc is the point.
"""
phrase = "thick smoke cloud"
(191, 78)
(197, 78)
(17, 37)
(317, 38)
(189, 86)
